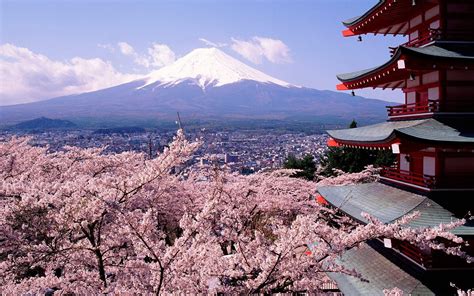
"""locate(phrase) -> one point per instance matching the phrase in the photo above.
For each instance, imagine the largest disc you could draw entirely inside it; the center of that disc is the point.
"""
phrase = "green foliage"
(353, 124)
(384, 158)
(353, 160)
(305, 164)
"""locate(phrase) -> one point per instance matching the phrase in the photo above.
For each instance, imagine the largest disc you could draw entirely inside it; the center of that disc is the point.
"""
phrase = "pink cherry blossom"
(83, 222)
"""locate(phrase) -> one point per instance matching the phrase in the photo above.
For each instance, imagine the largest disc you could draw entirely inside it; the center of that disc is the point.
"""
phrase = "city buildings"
(244, 151)
(432, 135)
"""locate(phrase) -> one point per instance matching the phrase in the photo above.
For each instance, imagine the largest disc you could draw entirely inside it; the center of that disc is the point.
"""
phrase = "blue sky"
(86, 34)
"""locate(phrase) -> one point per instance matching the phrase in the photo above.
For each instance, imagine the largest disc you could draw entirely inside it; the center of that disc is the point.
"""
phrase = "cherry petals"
(83, 222)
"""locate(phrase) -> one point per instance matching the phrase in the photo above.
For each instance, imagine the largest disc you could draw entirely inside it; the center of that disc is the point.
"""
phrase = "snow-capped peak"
(209, 66)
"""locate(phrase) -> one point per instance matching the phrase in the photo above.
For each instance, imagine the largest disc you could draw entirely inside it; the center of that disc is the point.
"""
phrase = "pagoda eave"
(348, 33)
(407, 62)
(395, 204)
(379, 273)
(362, 145)
(387, 17)
(448, 132)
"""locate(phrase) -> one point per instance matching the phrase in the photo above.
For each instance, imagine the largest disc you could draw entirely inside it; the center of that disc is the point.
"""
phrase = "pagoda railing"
(432, 35)
(407, 109)
(409, 177)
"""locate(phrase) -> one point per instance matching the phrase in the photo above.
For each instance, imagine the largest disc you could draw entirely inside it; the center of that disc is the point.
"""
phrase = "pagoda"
(432, 137)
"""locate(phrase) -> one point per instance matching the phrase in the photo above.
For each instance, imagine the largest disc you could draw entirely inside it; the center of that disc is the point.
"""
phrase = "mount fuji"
(204, 84)
(209, 67)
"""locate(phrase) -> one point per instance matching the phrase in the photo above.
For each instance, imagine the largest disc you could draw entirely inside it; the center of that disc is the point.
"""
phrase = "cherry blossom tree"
(367, 175)
(83, 222)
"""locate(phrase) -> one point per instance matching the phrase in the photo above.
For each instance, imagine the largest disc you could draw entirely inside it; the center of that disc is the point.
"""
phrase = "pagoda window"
(416, 21)
(404, 162)
(431, 77)
(429, 166)
(431, 13)
(414, 35)
(415, 82)
(435, 25)
(433, 93)
(411, 97)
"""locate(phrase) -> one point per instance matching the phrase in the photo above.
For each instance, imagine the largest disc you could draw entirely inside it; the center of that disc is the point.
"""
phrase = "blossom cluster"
(83, 222)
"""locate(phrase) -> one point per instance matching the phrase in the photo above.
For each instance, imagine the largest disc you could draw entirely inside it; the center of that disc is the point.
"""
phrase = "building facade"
(431, 134)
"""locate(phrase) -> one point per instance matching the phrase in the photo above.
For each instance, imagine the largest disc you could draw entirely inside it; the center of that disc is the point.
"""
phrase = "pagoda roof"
(388, 204)
(354, 20)
(445, 49)
(385, 17)
(443, 52)
(379, 271)
(452, 130)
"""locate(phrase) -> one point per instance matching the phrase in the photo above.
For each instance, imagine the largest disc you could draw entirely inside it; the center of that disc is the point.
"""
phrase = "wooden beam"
(405, 29)
(388, 30)
(399, 29)
(398, 84)
(385, 86)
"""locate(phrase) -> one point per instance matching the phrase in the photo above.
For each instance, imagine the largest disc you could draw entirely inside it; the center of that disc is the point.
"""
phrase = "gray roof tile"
(388, 203)
(379, 271)
(460, 130)
(354, 20)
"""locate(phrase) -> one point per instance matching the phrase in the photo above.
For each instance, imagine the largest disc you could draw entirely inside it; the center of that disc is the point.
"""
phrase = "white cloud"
(107, 46)
(213, 44)
(259, 48)
(160, 55)
(27, 76)
(157, 56)
(248, 49)
(126, 49)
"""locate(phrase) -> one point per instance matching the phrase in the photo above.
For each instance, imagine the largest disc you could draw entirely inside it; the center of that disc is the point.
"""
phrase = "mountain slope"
(206, 83)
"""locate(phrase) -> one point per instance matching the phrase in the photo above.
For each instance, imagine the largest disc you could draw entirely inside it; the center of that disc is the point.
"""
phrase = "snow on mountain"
(208, 67)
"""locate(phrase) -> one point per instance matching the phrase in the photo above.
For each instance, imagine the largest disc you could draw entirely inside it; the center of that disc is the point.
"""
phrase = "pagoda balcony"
(406, 110)
(393, 173)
